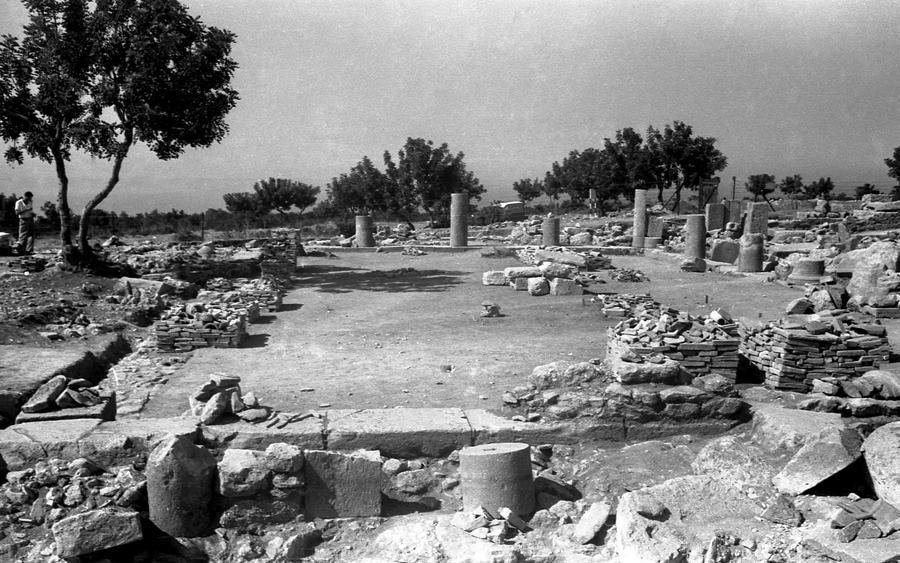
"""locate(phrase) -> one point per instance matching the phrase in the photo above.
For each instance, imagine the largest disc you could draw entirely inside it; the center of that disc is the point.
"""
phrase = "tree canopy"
(100, 76)
(821, 188)
(791, 186)
(273, 194)
(760, 185)
(422, 176)
(528, 189)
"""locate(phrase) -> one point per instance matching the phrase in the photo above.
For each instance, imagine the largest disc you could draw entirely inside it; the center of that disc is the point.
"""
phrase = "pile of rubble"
(858, 518)
(221, 395)
(793, 355)
(627, 275)
(85, 504)
(591, 260)
(61, 393)
(701, 345)
(194, 325)
(263, 293)
(29, 264)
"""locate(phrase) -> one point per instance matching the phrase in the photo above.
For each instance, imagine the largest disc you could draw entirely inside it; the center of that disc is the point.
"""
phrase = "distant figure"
(25, 244)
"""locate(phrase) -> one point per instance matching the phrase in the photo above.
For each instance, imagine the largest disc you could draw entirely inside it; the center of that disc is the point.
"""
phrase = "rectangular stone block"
(656, 227)
(342, 485)
(401, 433)
(757, 218)
(716, 216)
(519, 284)
(562, 286)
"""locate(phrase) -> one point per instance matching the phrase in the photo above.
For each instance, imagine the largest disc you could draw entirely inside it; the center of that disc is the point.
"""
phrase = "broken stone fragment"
(591, 522)
(254, 415)
(341, 485)
(822, 456)
(46, 395)
(95, 530)
(243, 473)
(180, 479)
(284, 458)
(538, 286)
(494, 277)
(214, 408)
(513, 519)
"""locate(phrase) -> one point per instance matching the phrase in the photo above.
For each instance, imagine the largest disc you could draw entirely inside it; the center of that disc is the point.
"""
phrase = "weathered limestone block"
(732, 459)
(886, 383)
(591, 522)
(631, 373)
(243, 473)
(820, 458)
(886, 253)
(881, 449)
(343, 485)
(538, 286)
(581, 239)
(569, 258)
(180, 481)
(494, 277)
(95, 530)
(562, 286)
(548, 375)
(775, 427)
(515, 272)
(284, 458)
(552, 270)
(46, 395)
(520, 284)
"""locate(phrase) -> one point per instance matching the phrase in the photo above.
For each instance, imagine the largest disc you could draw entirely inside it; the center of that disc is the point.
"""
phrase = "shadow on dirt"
(255, 341)
(337, 279)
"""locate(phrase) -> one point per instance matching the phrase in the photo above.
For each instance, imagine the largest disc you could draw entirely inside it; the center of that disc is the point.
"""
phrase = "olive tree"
(101, 76)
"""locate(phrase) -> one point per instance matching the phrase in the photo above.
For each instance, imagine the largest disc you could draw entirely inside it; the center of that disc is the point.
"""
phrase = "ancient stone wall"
(793, 358)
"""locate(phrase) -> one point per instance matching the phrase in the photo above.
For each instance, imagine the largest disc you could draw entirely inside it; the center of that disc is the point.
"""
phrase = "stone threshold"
(398, 433)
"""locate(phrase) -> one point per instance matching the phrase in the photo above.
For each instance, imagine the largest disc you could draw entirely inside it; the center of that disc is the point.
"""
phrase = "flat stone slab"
(106, 410)
(777, 427)
(23, 445)
(401, 433)
(145, 433)
(306, 434)
(489, 428)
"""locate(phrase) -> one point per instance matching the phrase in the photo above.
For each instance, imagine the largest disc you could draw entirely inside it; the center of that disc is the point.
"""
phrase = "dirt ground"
(380, 330)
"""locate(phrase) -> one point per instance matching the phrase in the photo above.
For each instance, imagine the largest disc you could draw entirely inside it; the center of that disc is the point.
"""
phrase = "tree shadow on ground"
(255, 341)
(290, 307)
(338, 279)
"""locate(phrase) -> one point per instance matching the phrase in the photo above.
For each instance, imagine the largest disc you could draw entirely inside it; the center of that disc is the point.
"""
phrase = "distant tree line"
(670, 158)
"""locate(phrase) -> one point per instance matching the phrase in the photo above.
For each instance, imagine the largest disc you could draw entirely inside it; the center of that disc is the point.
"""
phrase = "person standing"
(25, 244)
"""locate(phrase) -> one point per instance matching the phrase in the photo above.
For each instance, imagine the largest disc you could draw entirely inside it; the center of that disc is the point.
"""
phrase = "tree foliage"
(893, 165)
(101, 76)
(791, 186)
(821, 188)
(679, 160)
(422, 176)
(528, 189)
(760, 185)
(273, 194)
(865, 189)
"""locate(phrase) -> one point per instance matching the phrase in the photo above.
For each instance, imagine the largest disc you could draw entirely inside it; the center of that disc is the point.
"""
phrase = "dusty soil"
(377, 330)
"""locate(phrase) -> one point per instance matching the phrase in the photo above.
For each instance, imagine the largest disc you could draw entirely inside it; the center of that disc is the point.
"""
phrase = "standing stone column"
(750, 258)
(716, 216)
(364, 236)
(180, 482)
(757, 218)
(550, 231)
(459, 213)
(640, 219)
(695, 241)
(496, 475)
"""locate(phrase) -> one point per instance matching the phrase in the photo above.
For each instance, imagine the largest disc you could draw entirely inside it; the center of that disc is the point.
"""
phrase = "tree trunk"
(62, 197)
(85, 223)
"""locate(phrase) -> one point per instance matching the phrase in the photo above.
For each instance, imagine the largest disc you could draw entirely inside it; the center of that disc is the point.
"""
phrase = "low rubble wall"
(791, 357)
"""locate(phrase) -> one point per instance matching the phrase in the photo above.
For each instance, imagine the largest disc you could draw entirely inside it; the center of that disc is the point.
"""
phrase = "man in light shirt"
(25, 244)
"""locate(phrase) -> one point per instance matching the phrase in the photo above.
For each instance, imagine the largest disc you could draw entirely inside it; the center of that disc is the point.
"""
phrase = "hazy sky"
(786, 87)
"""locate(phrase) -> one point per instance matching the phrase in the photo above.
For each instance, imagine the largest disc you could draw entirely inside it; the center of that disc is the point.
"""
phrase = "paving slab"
(22, 445)
(306, 434)
(489, 428)
(143, 434)
(774, 426)
(400, 433)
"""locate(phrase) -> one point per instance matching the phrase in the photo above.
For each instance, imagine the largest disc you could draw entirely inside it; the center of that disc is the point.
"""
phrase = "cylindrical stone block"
(652, 242)
(459, 213)
(550, 231)
(695, 241)
(640, 219)
(807, 271)
(496, 475)
(364, 236)
(750, 258)
(180, 482)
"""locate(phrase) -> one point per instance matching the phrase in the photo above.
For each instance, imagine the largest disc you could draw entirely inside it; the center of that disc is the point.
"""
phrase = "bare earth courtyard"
(383, 330)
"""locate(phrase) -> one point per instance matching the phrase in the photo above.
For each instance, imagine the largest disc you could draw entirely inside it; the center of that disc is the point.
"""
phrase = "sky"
(785, 87)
